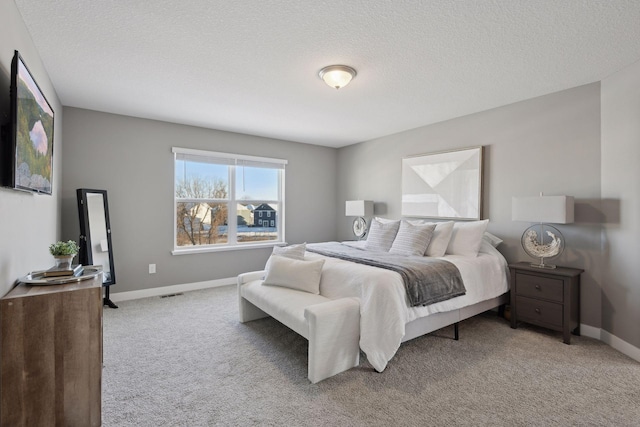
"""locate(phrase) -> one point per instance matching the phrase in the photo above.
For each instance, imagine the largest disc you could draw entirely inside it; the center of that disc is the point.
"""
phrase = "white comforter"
(384, 308)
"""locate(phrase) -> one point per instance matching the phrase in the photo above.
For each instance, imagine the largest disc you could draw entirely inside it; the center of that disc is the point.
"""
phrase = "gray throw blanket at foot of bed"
(426, 280)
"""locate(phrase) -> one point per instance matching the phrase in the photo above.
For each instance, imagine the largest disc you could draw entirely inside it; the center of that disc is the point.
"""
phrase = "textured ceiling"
(252, 66)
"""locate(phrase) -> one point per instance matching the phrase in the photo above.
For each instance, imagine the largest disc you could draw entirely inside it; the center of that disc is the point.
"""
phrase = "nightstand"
(546, 297)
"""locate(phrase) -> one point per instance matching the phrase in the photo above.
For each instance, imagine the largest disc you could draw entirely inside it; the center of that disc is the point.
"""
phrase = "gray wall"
(131, 158)
(621, 187)
(550, 144)
(28, 223)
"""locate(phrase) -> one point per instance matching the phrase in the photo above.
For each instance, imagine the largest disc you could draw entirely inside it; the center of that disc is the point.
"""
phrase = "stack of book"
(73, 270)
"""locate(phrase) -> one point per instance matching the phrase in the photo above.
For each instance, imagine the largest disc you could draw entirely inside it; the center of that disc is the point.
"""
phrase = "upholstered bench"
(332, 327)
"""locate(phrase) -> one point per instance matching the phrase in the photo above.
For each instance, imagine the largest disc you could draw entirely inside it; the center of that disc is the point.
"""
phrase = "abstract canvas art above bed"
(443, 185)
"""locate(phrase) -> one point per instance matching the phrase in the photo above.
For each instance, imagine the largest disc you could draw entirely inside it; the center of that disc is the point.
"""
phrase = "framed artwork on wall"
(445, 185)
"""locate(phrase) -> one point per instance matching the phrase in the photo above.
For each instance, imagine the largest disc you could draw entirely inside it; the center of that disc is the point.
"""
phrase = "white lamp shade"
(359, 208)
(543, 209)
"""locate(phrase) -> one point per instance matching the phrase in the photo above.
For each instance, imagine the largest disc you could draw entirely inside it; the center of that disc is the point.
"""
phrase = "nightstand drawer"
(539, 287)
(538, 312)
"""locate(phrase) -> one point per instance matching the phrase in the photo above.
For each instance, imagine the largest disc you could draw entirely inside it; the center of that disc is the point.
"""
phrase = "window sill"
(238, 247)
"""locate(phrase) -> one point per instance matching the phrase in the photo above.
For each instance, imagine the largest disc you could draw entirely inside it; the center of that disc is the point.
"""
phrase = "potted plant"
(64, 252)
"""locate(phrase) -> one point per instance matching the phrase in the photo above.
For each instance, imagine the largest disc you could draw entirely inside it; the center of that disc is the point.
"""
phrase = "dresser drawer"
(542, 313)
(539, 287)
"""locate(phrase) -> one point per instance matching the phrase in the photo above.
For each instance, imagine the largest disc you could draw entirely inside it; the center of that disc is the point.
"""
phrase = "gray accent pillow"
(381, 235)
(412, 239)
(440, 239)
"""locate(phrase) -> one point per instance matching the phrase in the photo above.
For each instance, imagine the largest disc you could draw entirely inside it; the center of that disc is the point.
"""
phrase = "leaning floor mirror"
(95, 236)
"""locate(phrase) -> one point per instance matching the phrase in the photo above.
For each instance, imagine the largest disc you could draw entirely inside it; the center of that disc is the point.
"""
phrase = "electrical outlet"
(152, 268)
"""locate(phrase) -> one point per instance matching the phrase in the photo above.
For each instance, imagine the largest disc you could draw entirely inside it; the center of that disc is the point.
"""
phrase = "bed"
(383, 317)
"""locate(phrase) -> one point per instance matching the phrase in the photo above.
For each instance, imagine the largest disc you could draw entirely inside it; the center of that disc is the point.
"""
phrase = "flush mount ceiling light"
(337, 76)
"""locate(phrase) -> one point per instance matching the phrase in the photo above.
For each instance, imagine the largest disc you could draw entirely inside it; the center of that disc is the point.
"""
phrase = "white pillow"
(381, 235)
(385, 220)
(440, 239)
(412, 239)
(466, 238)
(291, 251)
(294, 274)
(492, 239)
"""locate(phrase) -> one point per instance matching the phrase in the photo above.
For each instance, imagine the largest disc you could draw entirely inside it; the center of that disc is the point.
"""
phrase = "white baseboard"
(590, 331)
(611, 340)
(620, 345)
(173, 289)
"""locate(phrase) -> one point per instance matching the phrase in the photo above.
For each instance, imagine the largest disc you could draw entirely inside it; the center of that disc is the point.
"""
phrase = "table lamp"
(542, 240)
(359, 209)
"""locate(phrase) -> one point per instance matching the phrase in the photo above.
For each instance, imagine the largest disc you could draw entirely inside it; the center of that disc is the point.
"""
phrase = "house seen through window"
(220, 200)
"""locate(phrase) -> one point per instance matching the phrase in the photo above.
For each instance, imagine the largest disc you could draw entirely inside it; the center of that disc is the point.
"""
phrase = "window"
(219, 198)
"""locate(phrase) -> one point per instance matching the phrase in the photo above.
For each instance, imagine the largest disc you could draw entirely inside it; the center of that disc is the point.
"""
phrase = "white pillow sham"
(291, 251)
(381, 235)
(412, 239)
(440, 239)
(294, 274)
(466, 238)
(386, 220)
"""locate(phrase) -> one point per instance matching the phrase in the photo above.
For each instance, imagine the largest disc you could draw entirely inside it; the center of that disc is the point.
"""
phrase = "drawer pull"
(537, 287)
(537, 310)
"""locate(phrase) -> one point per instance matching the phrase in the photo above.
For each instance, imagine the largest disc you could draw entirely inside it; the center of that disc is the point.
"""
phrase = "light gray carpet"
(187, 361)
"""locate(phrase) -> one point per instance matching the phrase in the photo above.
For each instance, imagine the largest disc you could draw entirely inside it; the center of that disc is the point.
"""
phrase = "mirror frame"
(86, 255)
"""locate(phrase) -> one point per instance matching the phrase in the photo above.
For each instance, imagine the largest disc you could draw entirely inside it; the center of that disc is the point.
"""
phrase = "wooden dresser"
(548, 298)
(51, 355)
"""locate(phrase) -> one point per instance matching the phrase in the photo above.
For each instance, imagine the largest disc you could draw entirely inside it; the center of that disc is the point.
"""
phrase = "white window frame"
(232, 243)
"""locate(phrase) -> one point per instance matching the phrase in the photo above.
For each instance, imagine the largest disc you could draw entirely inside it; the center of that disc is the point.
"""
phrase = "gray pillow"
(440, 239)
(381, 235)
(412, 239)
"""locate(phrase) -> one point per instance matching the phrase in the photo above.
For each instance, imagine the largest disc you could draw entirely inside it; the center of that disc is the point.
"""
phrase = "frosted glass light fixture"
(337, 76)
(542, 240)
